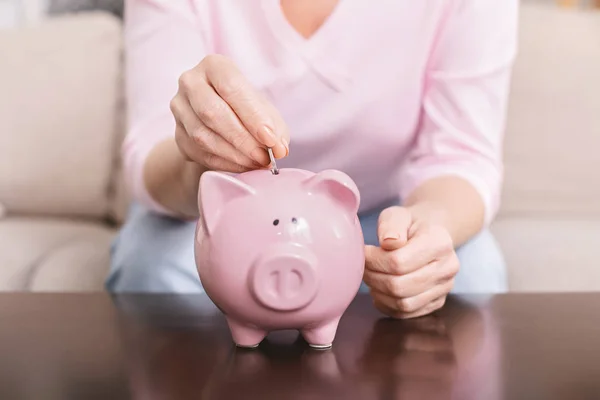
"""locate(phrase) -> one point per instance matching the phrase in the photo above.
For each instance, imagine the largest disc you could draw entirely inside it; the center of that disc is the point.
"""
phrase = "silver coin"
(274, 168)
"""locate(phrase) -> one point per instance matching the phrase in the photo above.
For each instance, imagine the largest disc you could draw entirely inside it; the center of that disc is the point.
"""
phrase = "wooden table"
(92, 346)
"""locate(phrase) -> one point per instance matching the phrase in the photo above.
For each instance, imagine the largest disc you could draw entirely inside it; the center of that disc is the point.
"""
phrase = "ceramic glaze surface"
(280, 251)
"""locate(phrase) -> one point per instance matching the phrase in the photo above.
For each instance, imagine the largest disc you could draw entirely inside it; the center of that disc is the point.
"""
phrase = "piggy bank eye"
(276, 222)
(294, 220)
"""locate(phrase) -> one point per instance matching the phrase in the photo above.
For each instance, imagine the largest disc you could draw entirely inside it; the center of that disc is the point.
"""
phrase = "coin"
(274, 168)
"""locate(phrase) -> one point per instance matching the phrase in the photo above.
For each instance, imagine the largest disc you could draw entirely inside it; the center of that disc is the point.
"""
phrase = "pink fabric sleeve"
(465, 100)
(162, 40)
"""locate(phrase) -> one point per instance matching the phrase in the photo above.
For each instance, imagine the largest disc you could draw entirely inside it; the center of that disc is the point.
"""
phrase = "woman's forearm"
(449, 201)
(171, 180)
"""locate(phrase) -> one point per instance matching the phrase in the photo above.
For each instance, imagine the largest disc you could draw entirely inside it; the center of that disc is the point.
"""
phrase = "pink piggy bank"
(280, 251)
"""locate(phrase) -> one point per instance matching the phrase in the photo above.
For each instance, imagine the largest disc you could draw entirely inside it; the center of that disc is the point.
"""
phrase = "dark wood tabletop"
(94, 346)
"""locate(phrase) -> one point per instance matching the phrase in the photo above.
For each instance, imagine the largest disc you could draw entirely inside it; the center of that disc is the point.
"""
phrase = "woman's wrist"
(171, 180)
(190, 182)
(451, 202)
(430, 212)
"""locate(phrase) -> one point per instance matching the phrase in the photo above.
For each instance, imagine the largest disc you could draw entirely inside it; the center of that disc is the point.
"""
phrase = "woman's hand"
(223, 123)
(413, 271)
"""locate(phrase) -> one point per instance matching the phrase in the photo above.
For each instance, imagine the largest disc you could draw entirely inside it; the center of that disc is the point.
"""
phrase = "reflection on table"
(452, 354)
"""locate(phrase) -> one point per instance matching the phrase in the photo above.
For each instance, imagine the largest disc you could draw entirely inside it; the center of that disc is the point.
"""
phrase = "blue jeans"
(154, 253)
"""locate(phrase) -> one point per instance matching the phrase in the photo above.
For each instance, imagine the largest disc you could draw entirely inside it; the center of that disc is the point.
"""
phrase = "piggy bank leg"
(245, 335)
(321, 336)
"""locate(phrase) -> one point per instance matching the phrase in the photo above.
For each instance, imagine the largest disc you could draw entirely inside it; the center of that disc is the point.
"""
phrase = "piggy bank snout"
(285, 278)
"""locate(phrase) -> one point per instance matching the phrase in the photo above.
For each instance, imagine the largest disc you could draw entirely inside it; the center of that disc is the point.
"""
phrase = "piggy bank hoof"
(245, 335)
(244, 346)
(320, 346)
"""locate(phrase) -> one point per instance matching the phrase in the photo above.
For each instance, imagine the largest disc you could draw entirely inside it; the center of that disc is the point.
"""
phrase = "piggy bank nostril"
(286, 281)
(294, 220)
(276, 222)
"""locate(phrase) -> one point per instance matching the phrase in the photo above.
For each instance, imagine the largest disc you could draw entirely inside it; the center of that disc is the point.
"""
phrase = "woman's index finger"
(245, 101)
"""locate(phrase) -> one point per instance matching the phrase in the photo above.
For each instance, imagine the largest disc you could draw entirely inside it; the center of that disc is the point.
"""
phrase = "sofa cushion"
(78, 266)
(60, 83)
(550, 255)
(53, 255)
(119, 195)
(553, 132)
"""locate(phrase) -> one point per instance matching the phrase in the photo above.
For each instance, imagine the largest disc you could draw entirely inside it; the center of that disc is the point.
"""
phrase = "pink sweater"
(392, 92)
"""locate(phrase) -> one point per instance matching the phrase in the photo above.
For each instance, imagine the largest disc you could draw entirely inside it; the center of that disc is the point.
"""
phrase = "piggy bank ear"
(337, 185)
(216, 190)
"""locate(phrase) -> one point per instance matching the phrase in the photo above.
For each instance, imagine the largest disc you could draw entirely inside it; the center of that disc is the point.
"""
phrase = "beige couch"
(61, 123)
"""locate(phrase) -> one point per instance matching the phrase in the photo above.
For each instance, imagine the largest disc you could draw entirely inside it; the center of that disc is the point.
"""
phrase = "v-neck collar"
(311, 49)
(285, 32)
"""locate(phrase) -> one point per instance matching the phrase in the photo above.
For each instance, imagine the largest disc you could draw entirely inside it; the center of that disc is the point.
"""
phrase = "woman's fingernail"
(279, 150)
(286, 145)
(390, 236)
(269, 137)
(259, 155)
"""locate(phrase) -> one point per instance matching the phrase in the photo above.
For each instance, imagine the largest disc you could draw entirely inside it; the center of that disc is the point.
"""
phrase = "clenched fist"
(413, 271)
